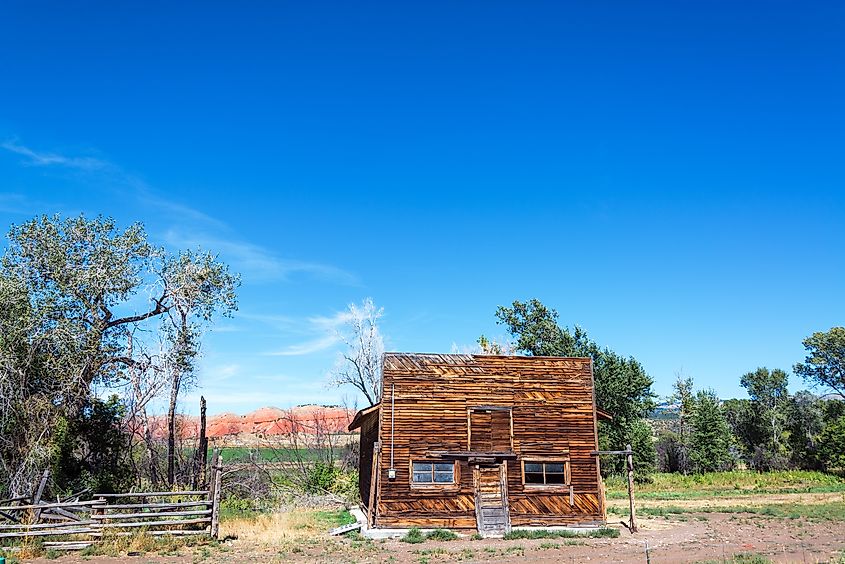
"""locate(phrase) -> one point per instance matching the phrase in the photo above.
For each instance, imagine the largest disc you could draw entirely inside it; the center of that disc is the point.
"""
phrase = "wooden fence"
(80, 523)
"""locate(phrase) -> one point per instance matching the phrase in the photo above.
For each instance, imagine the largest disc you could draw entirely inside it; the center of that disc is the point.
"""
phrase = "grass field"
(668, 487)
(263, 454)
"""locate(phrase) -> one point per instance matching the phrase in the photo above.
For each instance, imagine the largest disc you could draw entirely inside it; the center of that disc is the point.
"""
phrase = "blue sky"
(668, 175)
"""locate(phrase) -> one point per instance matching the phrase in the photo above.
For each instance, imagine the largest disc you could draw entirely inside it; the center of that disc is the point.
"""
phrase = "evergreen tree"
(710, 439)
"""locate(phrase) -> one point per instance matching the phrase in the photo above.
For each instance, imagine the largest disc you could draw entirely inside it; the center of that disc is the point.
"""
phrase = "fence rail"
(81, 523)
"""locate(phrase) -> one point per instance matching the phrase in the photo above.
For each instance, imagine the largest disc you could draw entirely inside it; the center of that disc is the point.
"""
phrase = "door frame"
(503, 485)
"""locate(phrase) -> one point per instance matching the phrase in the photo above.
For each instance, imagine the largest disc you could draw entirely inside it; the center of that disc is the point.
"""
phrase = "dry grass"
(274, 529)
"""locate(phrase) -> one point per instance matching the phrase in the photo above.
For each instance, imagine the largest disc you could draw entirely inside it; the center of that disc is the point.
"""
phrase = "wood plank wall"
(369, 435)
(553, 414)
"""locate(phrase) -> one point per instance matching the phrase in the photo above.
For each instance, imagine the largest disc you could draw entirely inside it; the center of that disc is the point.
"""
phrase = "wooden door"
(491, 500)
(490, 430)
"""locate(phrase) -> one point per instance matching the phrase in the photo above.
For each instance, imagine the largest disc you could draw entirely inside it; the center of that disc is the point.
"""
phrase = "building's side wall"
(552, 401)
(369, 436)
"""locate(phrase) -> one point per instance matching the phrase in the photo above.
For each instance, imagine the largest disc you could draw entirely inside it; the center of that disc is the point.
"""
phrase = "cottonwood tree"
(623, 388)
(825, 361)
(73, 291)
(360, 364)
(769, 396)
(199, 286)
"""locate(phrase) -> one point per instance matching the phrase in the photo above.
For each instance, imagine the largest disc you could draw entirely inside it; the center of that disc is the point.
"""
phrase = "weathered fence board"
(205, 502)
(88, 521)
(151, 514)
(151, 494)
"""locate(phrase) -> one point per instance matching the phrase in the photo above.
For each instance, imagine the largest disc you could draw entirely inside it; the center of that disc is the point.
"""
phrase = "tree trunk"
(171, 429)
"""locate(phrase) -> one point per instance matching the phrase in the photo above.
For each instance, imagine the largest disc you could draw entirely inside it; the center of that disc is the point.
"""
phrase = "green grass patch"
(263, 454)
(727, 484)
(333, 518)
(603, 532)
(834, 511)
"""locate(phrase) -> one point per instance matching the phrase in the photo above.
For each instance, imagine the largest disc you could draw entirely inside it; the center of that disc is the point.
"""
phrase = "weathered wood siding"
(369, 435)
(553, 414)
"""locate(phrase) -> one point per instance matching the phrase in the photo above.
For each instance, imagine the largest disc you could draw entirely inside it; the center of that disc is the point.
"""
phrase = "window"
(433, 473)
(545, 472)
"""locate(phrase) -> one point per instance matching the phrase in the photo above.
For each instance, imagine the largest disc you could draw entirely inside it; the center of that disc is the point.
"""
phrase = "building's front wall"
(553, 415)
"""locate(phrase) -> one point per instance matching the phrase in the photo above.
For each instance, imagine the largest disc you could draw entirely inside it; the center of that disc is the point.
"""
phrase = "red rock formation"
(266, 421)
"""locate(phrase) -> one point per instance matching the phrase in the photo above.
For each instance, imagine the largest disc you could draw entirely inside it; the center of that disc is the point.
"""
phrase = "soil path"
(682, 538)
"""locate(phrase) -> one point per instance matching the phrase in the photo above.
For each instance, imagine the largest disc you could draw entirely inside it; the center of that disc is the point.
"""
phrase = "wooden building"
(481, 443)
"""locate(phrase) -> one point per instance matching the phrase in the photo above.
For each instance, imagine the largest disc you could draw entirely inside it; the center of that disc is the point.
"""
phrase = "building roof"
(362, 416)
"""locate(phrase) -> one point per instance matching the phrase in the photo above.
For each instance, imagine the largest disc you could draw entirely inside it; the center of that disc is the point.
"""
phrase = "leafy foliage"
(825, 363)
(769, 398)
(67, 324)
(91, 450)
(831, 450)
(623, 388)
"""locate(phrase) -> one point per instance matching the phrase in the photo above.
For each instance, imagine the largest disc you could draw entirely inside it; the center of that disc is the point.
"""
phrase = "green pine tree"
(710, 440)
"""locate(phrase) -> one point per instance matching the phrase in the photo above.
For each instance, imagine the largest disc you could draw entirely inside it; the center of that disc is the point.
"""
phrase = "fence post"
(630, 461)
(217, 473)
(201, 456)
(36, 496)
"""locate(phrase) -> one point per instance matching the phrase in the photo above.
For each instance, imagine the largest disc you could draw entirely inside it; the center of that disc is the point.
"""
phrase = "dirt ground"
(690, 537)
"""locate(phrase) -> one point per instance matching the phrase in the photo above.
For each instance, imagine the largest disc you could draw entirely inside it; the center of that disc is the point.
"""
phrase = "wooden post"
(201, 457)
(215, 458)
(36, 496)
(374, 474)
(630, 460)
(217, 470)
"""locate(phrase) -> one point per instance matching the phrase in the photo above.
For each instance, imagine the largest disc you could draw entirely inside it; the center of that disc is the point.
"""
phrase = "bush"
(413, 536)
(320, 478)
(345, 485)
(441, 535)
(89, 449)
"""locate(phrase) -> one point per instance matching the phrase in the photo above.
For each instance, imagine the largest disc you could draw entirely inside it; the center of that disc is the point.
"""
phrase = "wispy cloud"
(195, 228)
(308, 347)
(220, 373)
(258, 262)
(327, 330)
(44, 158)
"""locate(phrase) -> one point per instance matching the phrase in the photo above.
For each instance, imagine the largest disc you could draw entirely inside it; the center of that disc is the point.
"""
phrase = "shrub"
(413, 536)
(441, 535)
(320, 478)
(345, 485)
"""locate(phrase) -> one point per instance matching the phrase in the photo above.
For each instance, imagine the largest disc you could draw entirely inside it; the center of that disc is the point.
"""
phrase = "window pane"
(554, 467)
(533, 467)
(555, 478)
(443, 477)
(533, 478)
(422, 466)
(443, 467)
(422, 477)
